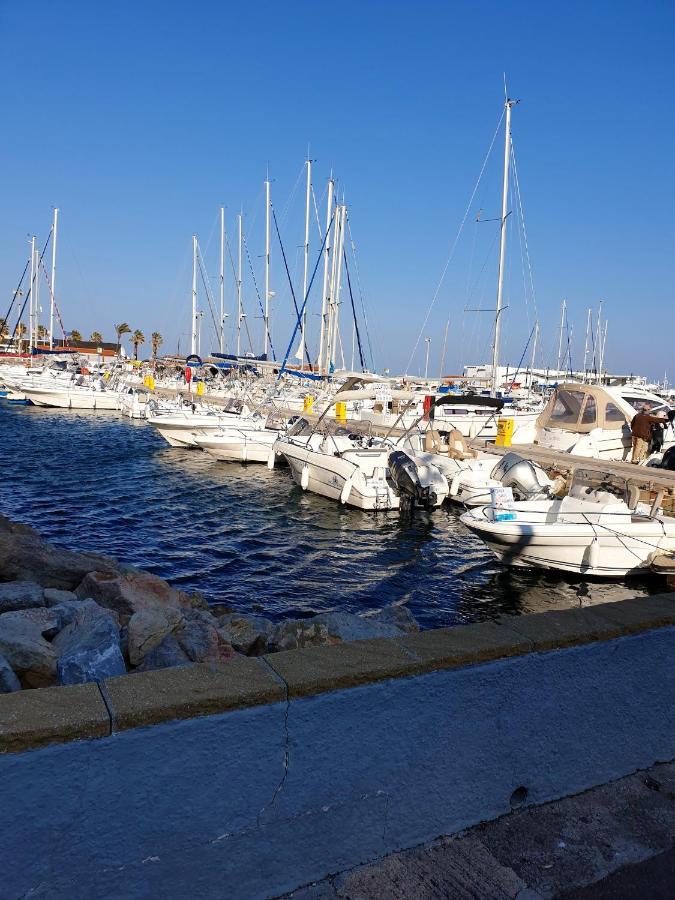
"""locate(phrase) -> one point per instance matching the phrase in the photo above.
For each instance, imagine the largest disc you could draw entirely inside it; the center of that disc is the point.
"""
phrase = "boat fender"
(304, 477)
(346, 490)
(594, 554)
(244, 453)
(271, 459)
(454, 485)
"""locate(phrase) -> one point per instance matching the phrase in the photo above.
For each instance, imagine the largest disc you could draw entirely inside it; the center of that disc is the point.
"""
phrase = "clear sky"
(138, 120)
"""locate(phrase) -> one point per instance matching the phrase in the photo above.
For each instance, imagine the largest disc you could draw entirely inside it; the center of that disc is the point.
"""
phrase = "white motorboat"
(598, 529)
(250, 440)
(180, 425)
(347, 463)
(86, 395)
(594, 420)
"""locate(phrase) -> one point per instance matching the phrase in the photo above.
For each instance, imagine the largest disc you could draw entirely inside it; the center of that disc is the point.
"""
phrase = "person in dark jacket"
(641, 430)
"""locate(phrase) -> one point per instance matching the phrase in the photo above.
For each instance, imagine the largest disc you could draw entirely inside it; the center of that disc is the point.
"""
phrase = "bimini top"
(583, 407)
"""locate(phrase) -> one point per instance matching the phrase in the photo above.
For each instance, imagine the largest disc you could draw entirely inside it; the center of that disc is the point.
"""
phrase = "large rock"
(166, 654)
(48, 621)
(8, 680)
(247, 634)
(79, 615)
(25, 556)
(292, 634)
(147, 628)
(92, 653)
(27, 652)
(131, 592)
(55, 597)
(344, 626)
(20, 595)
(399, 616)
(201, 641)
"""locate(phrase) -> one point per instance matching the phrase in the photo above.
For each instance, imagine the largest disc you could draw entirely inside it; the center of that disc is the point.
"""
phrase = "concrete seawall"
(253, 777)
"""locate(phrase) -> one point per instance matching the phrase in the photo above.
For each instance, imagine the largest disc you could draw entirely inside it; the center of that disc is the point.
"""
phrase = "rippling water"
(247, 536)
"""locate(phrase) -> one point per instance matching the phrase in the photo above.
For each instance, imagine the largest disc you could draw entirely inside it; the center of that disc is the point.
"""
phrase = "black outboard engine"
(668, 461)
(403, 472)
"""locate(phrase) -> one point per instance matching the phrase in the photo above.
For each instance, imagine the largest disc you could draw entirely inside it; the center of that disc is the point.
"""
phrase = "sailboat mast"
(588, 331)
(193, 342)
(602, 355)
(31, 305)
(267, 265)
(534, 352)
(239, 270)
(303, 324)
(222, 279)
(342, 210)
(563, 307)
(52, 288)
(502, 245)
(597, 339)
(324, 293)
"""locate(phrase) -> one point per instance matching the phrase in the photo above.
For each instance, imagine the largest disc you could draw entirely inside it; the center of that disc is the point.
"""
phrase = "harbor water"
(247, 536)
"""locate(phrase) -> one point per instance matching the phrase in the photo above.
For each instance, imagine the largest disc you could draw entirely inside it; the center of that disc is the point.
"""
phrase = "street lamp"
(427, 341)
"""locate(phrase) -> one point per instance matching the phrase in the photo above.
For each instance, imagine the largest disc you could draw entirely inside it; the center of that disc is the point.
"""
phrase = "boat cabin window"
(589, 416)
(567, 408)
(639, 403)
(613, 415)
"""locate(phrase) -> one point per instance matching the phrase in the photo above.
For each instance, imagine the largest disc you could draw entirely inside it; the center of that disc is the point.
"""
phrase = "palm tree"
(42, 332)
(4, 330)
(156, 341)
(137, 338)
(121, 329)
(96, 337)
(75, 335)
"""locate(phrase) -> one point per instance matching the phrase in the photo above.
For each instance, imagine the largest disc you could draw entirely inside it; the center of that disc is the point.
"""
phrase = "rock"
(349, 627)
(399, 616)
(26, 557)
(247, 634)
(78, 615)
(48, 621)
(20, 595)
(203, 642)
(220, 609)
(131, 592)
(166, 654)
(147, 628)
(54, 597)
(27, 652)
(8, 680)
(91, 653)
(292, 634)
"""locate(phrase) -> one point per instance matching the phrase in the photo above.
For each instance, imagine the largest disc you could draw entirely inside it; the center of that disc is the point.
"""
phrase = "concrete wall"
(258, 800)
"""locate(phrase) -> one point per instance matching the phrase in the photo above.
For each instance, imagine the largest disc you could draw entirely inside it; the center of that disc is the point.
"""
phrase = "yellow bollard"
(308, 403)
(341, 411)
(151, 382)
(504, 432)
(200, 388)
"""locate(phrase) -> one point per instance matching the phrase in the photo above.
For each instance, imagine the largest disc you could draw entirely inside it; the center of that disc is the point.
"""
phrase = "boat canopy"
(469, 400)
(581, 408)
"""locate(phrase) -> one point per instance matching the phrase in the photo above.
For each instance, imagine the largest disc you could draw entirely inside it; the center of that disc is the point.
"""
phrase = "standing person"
(641, 430)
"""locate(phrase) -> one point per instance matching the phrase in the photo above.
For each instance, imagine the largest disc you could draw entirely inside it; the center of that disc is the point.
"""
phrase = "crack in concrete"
(107, 700)
(286, 762)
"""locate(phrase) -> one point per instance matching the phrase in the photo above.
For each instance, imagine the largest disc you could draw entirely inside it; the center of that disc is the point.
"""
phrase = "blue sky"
(139, 120)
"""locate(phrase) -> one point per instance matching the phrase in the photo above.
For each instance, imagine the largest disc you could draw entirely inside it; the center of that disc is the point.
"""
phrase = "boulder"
(203, 642)
(20, 595)
(55, 597)
(147, 628)
(131, 592)
(292, 634)
(48, 621)
(344, 626)
(399, 616)
(27, 652)
(78, 615)
(25, 556)
(8, 680)
(91, 653)
(166, 654)
(247, 634)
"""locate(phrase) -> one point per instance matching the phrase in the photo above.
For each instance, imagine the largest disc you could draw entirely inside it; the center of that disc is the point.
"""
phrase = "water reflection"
(250, 537)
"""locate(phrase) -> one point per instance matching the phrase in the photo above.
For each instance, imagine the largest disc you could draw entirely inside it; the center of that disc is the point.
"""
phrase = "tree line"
(137, 336)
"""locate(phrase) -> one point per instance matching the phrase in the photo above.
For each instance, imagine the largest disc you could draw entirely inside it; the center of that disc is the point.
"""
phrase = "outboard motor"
(527, 480)
(417, 485)
(668, 461)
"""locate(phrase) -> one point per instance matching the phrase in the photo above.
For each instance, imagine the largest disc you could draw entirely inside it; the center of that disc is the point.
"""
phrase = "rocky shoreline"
(69, 618)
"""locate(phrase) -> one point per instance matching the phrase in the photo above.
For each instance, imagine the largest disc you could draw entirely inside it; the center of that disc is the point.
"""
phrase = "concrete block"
(563, 628)
(640, 614)
(30, 719)
(146, 698)
(450, 648)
